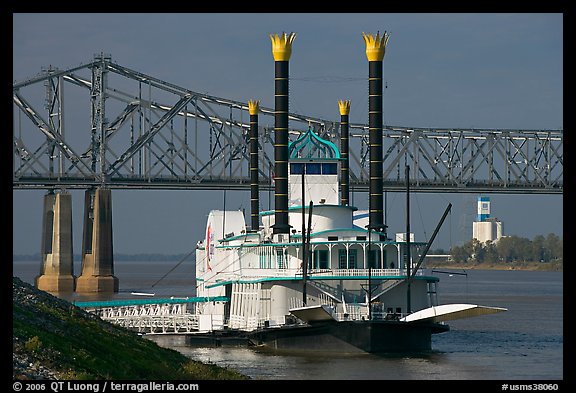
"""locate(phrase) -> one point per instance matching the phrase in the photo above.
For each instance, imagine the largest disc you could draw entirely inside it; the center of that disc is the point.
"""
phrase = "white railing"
(167, 324)
(137, 310)
(359, 272)
(355, 272)
(151, 318)
(262, 272)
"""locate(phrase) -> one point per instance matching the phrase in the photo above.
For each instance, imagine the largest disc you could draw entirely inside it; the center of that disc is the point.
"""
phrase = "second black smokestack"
(344, 107)
(375, 49)
(281, 50)
(253, 107)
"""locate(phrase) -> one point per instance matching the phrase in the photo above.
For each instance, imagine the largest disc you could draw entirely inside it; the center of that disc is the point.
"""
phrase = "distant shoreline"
(530, 266)
(117, 257)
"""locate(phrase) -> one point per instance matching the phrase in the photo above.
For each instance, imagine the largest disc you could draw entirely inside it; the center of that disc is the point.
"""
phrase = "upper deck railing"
(258, 274)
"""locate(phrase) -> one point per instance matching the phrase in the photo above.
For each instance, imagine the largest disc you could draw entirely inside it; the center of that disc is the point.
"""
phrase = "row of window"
(320, 259)
(314, 168)
(346, 260)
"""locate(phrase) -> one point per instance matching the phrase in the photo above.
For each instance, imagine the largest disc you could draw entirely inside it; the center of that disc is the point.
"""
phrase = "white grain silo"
(486, 228)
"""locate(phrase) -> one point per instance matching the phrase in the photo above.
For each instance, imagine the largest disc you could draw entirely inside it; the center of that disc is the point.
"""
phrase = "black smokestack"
(253, 107)
(375, 140)
(344, 107)
(375, 49)
(281, 50)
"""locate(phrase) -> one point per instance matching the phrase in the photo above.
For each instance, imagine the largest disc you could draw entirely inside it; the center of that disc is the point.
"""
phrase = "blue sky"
(480, 70)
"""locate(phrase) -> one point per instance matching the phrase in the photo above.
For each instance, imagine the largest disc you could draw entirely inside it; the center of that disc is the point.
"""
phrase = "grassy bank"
(53, 339)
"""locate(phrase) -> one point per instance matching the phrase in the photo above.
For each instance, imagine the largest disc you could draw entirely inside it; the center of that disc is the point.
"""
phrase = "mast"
(369, 273)
(408, 264)
(304, 239)
(306, 256)
(432, 239)
(224, 216)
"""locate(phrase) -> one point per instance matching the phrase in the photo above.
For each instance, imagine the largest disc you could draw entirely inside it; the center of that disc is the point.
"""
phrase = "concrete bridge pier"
(57, 269)
(97, 252)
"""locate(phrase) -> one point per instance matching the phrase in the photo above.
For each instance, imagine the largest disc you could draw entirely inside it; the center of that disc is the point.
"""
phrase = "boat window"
(374, 259)
(352, 259)
(296, 168)
(320, 259)
(313, 169)
(332, 238)
(329, 168)
(341, 259)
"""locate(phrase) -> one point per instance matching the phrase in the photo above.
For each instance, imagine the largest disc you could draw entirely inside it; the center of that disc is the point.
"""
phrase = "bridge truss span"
(104, 124)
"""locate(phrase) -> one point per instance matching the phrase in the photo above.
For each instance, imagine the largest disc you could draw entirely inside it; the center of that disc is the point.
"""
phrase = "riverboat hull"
(351, 336)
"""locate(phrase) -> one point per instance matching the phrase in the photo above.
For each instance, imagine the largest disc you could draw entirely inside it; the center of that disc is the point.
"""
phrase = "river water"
(523, 343)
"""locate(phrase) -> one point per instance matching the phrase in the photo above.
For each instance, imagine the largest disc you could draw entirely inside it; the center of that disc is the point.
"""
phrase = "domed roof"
(310, 146)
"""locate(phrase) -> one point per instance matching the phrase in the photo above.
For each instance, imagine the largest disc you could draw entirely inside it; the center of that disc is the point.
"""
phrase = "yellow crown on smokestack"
(282, 46)
(376, 46)
(344, 107)
(253, 106)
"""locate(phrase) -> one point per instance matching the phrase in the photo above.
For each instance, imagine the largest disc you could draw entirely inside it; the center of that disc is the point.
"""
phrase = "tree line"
(510, 250)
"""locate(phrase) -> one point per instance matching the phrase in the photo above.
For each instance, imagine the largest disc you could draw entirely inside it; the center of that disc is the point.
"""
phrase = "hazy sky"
(442, 70)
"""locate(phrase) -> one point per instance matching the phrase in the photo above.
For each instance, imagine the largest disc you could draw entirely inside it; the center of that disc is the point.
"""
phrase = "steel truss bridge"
(103, 124)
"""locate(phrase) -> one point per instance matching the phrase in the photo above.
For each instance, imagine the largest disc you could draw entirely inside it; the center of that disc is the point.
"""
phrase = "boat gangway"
(174, 315)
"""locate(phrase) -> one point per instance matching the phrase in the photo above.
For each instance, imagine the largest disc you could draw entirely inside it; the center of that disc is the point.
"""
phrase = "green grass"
(78, 345)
